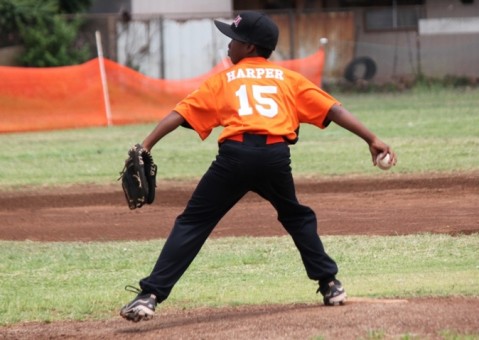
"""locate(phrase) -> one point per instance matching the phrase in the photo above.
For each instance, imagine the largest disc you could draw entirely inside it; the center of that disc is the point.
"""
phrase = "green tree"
(50, 42)
(49, 38)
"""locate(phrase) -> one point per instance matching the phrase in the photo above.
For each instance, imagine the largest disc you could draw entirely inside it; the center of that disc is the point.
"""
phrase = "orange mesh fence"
(33, 99)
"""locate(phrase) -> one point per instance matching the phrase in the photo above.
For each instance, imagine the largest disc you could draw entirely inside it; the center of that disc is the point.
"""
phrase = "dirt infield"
(392, 205)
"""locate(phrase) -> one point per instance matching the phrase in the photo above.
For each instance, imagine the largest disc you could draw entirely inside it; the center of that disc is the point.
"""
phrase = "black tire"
(361, 68)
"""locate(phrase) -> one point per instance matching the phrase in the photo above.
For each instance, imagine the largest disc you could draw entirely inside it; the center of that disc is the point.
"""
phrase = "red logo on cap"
(237, 20)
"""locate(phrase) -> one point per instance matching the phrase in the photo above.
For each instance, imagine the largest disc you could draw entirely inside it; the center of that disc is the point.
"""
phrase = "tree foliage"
(73, 6)
(47, 36)
(51, 43)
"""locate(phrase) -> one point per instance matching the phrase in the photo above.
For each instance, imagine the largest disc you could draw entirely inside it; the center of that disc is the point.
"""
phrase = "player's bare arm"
(339, 115)
(164, 127)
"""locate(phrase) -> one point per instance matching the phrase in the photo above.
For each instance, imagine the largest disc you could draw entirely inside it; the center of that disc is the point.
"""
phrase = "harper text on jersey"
(255, 73)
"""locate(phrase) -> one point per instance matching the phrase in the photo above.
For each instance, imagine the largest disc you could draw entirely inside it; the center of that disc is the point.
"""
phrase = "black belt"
(255, 139)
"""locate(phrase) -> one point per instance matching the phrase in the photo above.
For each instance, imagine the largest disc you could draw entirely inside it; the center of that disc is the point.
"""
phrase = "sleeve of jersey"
(199, 110)
(313, 105)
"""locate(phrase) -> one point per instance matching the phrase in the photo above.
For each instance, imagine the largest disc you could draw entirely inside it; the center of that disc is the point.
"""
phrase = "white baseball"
(383, 163)
(323, 41)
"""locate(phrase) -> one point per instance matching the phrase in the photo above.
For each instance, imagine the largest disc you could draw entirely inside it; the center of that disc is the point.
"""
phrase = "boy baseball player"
(260, 106)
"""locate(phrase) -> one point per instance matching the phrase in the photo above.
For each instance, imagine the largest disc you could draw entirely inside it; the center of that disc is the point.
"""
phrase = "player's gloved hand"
(138, 177)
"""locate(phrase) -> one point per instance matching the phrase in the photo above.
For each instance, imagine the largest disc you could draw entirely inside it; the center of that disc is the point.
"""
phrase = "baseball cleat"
(335, 294)
(141, 308)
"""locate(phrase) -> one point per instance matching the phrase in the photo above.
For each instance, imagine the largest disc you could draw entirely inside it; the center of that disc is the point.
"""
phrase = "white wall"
(191, 47)
(449, 25)
(180, 6)
(194, 47)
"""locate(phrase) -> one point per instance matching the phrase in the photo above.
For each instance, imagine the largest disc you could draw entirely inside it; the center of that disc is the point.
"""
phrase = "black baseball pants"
(240, 167)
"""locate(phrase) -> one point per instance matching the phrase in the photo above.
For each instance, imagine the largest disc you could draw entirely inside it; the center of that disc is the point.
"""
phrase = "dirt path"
(392, 205)
(387, 206)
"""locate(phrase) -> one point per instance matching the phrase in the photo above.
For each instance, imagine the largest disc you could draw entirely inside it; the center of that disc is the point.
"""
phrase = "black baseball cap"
(253, 28)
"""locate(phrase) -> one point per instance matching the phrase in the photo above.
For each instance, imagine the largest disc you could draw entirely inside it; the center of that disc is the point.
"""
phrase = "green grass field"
(77, 281)
(431, 131)
(435, 131)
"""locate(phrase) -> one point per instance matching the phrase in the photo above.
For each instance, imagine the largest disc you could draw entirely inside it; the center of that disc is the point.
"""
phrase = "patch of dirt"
(366, 319)
(387, 205)
(395, 205)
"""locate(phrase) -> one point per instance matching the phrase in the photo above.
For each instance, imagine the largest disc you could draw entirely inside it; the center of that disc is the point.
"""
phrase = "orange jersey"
(255, 96)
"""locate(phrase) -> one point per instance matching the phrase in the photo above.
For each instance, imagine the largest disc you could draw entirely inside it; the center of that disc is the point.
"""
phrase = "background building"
(378, 41)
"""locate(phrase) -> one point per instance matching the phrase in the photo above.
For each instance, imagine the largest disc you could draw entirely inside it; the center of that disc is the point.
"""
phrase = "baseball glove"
(138, 177)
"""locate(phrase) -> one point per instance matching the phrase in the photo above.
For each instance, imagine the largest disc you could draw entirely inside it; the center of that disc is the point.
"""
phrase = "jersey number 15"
(264, 104)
